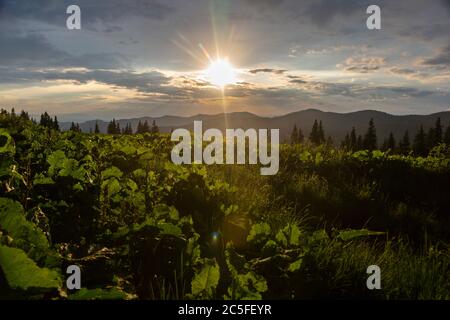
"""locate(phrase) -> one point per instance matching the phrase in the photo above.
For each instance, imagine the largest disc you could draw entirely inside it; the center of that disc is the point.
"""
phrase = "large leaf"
(245, 283)
(98, 294)
(25, 234)
(289, 235)
(205, 282)
(22, 273)
(6, 142)
(259, 234)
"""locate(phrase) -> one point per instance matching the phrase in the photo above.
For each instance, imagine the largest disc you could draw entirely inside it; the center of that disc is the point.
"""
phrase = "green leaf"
(6, 143)
(205, 282)
(41, 179)
(296, 265)
(112, 172)
(22, 273)
(25, 234)
(245, 283)
(259, 234)
(98, 294)
(55, 161)
(347, 235)
(289, 235)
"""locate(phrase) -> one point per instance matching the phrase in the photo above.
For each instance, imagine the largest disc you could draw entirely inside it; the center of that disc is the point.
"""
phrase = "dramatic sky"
(147, 57)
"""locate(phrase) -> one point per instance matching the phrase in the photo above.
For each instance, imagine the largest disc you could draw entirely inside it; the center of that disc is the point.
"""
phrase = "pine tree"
(405, 144)
(145, 127)
(154, 129)
(56, 124)
(142, 127)
(112, 127)
(75, 127)
(447, 136)
(438, 132)
(300, 136)
(46, 120)
(345, 144)
(127, 129)
(330, 141)
(370, 138)
(321, 134)
(294, 135)
(391, 145)
(419, 146)
(97, 129)
(430, 139)
(24, 115)
(359, 143)
(314, 136)
(353, 140)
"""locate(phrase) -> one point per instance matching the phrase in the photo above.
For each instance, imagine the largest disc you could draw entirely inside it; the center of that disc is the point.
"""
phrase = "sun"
(221, 73)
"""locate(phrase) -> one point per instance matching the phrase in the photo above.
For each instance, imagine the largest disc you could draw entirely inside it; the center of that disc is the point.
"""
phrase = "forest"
(141, 227)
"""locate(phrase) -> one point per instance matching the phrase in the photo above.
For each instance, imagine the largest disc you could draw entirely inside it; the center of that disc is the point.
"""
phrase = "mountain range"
(336, 125)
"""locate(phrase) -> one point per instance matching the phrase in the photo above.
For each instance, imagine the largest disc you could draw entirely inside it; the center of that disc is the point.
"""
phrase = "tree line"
(421, 143)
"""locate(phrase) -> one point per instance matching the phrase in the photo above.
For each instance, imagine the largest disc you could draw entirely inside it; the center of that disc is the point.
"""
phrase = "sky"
(149, 57)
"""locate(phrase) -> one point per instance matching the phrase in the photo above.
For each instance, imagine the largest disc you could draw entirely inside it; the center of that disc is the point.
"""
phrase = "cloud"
(362, 64)
(441, 59)
(34, 50)
(267, 70)
(54, 12)
(322, 12)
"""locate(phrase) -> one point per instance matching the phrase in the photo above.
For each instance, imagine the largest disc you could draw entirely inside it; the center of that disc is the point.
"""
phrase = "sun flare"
(221, 73)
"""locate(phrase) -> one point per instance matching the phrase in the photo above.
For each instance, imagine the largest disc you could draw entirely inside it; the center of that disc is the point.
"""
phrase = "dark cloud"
(34, 50)
(442, 58)
(54, 12)
(268, 70)
(322, 12)
(362, 64)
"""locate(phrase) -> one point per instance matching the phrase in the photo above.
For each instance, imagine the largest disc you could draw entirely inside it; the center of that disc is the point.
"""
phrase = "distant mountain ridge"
(335, 124)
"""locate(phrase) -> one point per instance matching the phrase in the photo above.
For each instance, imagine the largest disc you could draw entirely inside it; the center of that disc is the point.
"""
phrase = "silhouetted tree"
(127, 129)
(405, 145)
(438, 132)
(370, 138)
(155, 128)
(75, 127)
(359, 143)
(55, 124)
(447, 135)
(294, 135)
(353, 139)
(143, 127)
(113, 127)
(317, 135)
(96, 129)
(330, 141)
(24, 115)
(321, 133)
(390, 143)
(300, 136)
(420, 143)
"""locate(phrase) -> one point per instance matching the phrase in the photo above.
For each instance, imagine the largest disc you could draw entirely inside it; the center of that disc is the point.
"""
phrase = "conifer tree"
(294, 135)
(420, 147)
(370, 138)
(447, 135)
(405, 144)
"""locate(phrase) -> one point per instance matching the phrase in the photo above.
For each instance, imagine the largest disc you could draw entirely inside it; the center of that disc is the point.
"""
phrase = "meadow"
(141, 227)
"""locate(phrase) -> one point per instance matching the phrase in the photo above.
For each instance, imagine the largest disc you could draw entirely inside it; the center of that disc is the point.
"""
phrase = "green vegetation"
(140, 227)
